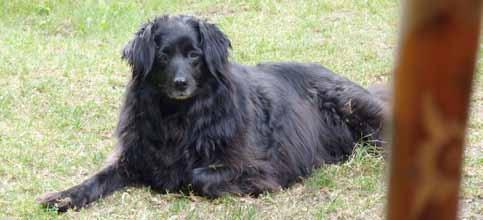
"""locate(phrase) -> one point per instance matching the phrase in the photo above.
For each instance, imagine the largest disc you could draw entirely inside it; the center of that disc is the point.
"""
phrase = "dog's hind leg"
(363, 111)
(101, 184)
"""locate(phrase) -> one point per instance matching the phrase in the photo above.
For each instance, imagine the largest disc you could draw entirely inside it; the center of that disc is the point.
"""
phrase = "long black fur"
(244, 130)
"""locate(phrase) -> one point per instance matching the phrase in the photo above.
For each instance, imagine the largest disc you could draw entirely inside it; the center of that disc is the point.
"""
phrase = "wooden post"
(433, 79)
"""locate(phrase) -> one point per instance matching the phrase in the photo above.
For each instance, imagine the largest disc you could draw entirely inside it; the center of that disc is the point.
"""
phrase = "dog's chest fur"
(169, 147)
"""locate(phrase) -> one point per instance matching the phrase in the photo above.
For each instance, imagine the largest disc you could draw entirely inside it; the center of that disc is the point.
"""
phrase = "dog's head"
(178, 55)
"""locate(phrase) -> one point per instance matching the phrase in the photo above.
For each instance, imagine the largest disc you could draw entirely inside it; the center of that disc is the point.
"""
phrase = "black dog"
(194, 121)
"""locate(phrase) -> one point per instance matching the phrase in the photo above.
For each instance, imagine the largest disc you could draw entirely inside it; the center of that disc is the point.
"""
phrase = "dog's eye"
(194, 55)
(163, 58)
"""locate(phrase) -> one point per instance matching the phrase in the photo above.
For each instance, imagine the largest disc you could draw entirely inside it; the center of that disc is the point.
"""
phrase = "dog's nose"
(180, 83)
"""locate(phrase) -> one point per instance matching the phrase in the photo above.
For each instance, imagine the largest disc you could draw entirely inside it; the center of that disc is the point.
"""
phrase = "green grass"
(62, 81)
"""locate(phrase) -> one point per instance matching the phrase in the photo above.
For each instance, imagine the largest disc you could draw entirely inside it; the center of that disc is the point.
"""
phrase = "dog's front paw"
(56, 200)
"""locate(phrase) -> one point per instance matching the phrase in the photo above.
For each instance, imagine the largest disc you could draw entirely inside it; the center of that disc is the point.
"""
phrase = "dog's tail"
(382, 92)
(384, 95)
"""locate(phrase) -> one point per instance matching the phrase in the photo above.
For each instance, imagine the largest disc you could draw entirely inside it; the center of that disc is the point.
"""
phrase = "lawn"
(62, 82)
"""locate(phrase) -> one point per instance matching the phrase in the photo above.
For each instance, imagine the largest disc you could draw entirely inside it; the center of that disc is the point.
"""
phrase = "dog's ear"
(215, 46)
(140, 51)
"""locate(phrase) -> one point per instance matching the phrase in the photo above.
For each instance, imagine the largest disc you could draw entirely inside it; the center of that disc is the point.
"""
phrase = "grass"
(62, 81)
